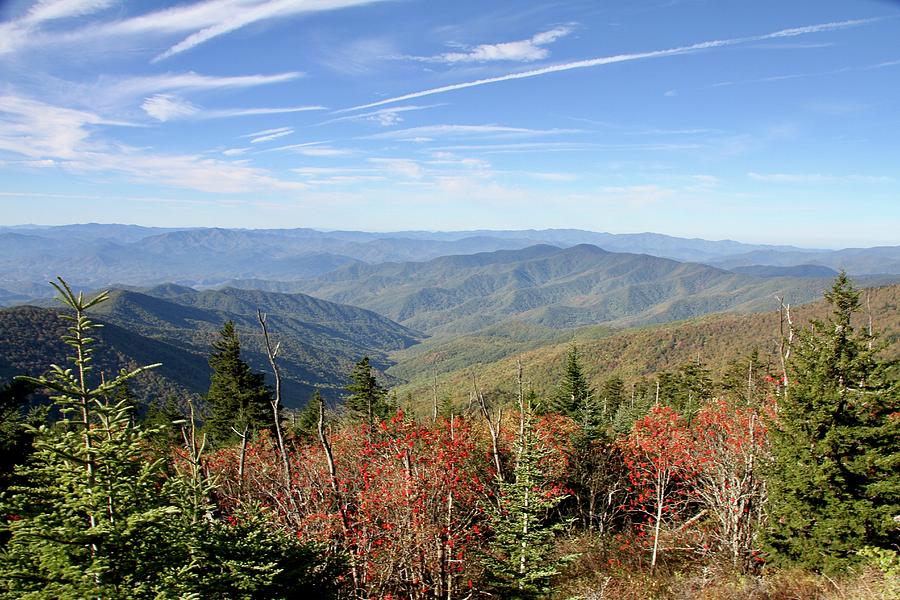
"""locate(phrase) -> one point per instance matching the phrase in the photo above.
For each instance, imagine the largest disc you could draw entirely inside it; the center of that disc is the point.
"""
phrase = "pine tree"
(835, 481)
(307, 421)
(90, 513)
(686, 389)
(94, 513)
(612, 396)
(520, 563)
(15, 439)
(575, 398)
(238, 398)
(367, 401)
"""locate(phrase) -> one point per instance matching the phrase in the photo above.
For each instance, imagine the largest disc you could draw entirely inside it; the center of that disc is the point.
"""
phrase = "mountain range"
(552, 287)
(98, 255)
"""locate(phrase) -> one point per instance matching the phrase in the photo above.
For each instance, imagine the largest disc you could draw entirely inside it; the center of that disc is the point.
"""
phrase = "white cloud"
(42, 132)
(138, 86)
(607, 60)
(817, 178)
(272, 136)
(321, 151)
(705, 181)
(554, 177)
(15, 33)
(38, 130)
(400, 166)
(166, 107)
(314, 149)
(47, 10)
(235, 151)
(265, 132)
(523, 147)
(889, 63)
(229, 21)
(430, 132)
(247, 112)
(528, 50)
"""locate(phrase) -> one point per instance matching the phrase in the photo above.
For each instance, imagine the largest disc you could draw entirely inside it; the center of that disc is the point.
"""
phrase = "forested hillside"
(31, 342)
(557, 288)
(716, 341)
(320, 340)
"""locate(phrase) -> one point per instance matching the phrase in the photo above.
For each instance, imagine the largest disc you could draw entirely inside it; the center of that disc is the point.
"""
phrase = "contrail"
(607, 60)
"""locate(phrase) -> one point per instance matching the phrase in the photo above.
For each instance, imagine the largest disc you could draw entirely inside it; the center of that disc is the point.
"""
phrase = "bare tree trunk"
(243, 459)
(335, 489)
(272, 353)
(522, 450)
(660, 497)
(493, 428)
(434, 402)
(784, 314)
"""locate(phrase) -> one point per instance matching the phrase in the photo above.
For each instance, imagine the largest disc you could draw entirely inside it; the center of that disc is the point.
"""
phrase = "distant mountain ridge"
(553, 287)
(96, 255)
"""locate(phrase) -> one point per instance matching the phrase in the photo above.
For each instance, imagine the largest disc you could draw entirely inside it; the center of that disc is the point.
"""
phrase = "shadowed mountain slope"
(320, 340)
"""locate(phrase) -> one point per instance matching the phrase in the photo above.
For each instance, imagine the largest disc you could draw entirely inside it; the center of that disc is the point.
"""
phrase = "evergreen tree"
(638, 403)
(575, 398)
(835, 480)
(307, 421)
(161, 420)
(15, 438)
(744, 381)
(238, 398)
(686, 389)
(367, 401)
(612, 396)
(89, 513)
(520, 563)
(94, 514)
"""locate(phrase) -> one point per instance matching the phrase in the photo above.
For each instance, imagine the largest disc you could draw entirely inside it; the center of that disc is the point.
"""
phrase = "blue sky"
(760, 121)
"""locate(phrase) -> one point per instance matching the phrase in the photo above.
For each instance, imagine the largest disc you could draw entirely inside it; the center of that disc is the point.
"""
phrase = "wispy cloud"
(384, 116)
(400, 166)
(785, 77)
(14, 33)
(272, 136)
(247, 112)
(607, 60)
(817, 178)
(528, 50)
(169, 107)
(319, 149)
(265, 132)
(888, 63)
(66, 137)
(149, 84)
(518, 148)
(38, 130)
(253, 13)
(433, 131)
